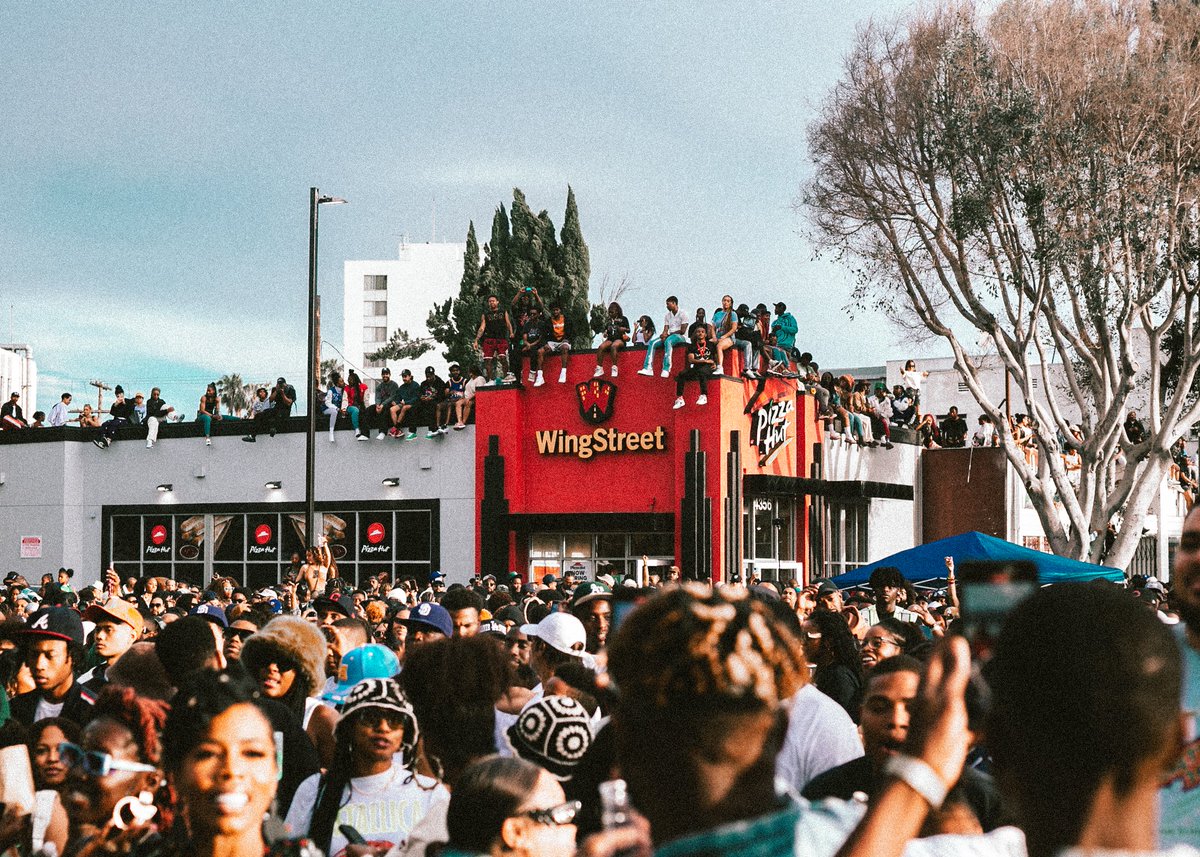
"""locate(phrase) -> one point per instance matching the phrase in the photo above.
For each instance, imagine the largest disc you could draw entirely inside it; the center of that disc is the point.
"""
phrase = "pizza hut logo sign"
(263, 545)
(375, 534)
(769, 429)
(157, 542)
(596, 399)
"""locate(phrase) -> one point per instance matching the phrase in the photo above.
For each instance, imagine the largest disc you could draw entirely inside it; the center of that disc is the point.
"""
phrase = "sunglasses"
(372, 716)
(95, 763)
(555, 816)
(241, 634)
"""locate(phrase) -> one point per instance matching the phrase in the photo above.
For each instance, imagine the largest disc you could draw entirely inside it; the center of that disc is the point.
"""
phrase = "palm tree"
(232, 394)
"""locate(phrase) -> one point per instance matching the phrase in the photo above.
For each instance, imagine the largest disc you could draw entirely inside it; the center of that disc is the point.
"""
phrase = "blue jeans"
(749, 363)
(668, 345)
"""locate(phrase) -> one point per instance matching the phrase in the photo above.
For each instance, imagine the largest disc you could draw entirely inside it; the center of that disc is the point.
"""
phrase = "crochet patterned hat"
(552, 732)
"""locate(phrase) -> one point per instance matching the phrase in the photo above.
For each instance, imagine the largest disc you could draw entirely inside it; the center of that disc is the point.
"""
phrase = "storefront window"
(256, 549)
(769, 536)
(578, 545)
(847, 537)
(588, 555)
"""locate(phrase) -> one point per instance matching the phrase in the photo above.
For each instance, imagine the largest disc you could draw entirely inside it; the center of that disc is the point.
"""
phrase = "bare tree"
(1033, 177)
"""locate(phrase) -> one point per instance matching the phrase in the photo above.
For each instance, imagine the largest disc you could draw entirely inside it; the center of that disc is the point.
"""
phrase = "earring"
(141, 810)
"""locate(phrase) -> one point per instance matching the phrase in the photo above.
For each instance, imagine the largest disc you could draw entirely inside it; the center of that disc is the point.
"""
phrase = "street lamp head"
(332, 200)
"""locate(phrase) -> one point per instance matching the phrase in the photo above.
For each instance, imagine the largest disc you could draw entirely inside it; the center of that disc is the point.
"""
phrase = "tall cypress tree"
(524, 250)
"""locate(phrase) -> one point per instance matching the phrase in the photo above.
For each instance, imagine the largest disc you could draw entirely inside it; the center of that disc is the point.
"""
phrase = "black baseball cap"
(56, 623)
(343, 604)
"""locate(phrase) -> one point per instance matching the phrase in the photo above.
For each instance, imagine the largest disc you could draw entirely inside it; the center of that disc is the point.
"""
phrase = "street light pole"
(310, 449)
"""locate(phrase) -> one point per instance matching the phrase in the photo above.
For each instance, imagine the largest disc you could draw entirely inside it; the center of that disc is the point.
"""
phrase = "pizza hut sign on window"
(158, 541)
(374, 541)
(262, 540)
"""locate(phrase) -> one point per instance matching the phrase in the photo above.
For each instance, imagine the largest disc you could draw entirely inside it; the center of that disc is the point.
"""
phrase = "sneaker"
(208, 441)
(599, 371)
(332, 439)
(646, 370)
(562, 376)
(412, 435)
(393, 432)
(444, 430)
(99, 442)
(702, 400)
(510, 378)
(429, 435)
(250, 439)
(361, 437)
(379, 436)
(666, 373)
(530, 376)
(540, 380)
(272, 432)
(679, 403)
(459, 426)
(149, 444)
(614, 370)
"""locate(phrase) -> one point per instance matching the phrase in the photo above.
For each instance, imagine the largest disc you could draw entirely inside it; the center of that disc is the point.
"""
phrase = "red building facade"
(599, 473)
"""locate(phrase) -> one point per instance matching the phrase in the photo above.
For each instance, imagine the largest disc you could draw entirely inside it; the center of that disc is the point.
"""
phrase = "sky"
(158, 158)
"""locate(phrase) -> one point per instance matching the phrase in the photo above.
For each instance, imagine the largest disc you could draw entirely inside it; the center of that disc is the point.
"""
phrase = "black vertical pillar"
(695, 518)
(816, 519)
(732, 543)
(493, 514)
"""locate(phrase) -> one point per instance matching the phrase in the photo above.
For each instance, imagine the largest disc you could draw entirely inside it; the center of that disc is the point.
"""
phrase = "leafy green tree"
(524, 252)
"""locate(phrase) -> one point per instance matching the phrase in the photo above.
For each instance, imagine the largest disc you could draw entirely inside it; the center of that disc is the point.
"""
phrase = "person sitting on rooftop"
(954, 430)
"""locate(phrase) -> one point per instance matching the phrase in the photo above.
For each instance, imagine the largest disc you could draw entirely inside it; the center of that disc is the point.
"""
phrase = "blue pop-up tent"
(927, 561)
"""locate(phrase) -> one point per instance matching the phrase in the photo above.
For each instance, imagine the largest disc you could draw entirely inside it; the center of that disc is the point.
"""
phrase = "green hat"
(589, 591)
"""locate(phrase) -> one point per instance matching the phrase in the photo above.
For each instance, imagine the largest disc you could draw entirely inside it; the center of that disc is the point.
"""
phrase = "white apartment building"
(18, 374)
(383, 296)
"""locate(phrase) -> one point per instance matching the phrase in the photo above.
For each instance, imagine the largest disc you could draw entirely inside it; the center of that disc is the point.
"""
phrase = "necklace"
(378, 789)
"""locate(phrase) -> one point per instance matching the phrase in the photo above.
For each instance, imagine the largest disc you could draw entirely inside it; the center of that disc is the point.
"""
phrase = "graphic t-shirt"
(383, 807)
(701, 351)
(1179, 818)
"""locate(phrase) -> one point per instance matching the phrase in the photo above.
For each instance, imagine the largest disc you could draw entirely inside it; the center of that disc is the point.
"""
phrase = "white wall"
(892, 525)
(57, 490)
(421, 275)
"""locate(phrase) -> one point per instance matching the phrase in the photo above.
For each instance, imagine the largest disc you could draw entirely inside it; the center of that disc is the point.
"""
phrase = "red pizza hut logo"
(596, 398)
(375, 533)
(158, 534)
(262, 534)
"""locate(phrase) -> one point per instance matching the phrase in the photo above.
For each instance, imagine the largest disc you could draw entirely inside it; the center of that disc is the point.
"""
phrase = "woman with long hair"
(287, 659)
(209, 410)
(370, 784)
(114, 772)
(832, 649)
(46, 738)
(724, 323)
(354, 401)
(616, 334)
(644, 332)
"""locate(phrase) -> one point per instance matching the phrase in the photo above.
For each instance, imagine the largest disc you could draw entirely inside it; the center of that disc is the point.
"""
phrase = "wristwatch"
(919, 777)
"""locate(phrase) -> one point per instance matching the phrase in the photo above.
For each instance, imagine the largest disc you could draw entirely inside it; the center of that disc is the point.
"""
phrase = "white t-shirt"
(384, 808)
(430, 829)
(820, 736)
(46, 709)
(675, 323)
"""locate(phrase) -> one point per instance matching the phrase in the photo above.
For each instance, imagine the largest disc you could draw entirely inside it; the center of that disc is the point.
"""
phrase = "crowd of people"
(609, 716)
